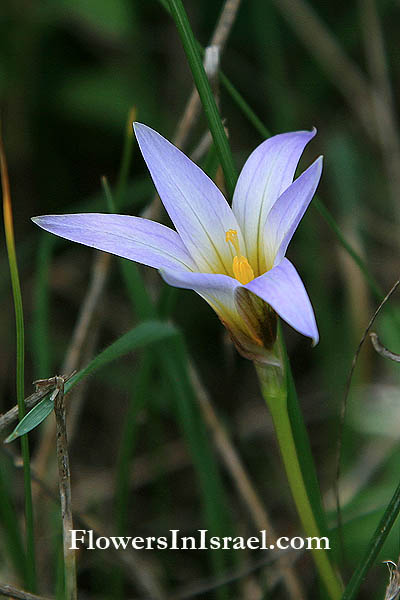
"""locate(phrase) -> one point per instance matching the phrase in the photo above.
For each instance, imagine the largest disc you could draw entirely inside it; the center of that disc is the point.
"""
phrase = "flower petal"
(134, 238)
(268, 171)
(282, 288)
(195, 205)
(219, 292)
(287, 212)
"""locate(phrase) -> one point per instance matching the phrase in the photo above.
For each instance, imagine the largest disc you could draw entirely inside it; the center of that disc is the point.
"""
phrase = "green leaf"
(37, 415)
(142, 335)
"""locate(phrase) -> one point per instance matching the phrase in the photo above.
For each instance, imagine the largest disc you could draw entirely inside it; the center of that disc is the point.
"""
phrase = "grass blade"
(30, 577)
(146, 333)
(206, 96)
(376, 543)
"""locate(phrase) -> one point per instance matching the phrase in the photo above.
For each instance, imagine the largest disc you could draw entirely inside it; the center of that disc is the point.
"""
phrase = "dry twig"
(370, 102)
(12, 592)
(43, 387)
(64, 480)
(383, 105)
(136, 570)
(380, 348)
(208, 585)
(81, 331)
(219, 39)
(321, 43)
(345, 400)
(192, 108)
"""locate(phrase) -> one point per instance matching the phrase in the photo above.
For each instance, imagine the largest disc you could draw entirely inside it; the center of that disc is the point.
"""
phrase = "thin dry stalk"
(205, 586)
(386, 122)
(64, 478)
(243, 483)
(136, 570)
(11, 416)
(43, 387)
(211, 66)
(344, 74)
(371, 459)
(193, 105)
(219, 39)
(83, 325)
(75, 407)
(371, 103)
(12, 592)
(380, 348)
(90, 303)
(344, 405)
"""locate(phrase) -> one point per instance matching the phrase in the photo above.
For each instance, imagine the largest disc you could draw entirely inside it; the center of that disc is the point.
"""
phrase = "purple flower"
(234, 258)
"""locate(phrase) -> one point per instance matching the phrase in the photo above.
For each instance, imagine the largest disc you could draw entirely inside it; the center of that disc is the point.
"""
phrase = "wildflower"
(234, 258)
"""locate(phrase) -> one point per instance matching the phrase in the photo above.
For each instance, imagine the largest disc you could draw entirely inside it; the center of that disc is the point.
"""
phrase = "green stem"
(206, 96)
(274, 391)
(19, 321)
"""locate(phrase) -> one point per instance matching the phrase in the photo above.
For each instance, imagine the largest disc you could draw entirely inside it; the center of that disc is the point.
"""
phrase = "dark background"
(70, 71)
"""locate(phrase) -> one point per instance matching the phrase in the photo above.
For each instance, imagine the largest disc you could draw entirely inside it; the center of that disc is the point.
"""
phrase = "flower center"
(241, 268)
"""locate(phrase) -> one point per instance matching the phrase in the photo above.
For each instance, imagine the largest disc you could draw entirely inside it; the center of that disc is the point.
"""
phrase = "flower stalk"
(273, 385)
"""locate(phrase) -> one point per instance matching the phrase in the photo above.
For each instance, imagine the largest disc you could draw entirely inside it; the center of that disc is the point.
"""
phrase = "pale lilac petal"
(268, 171)
(217, 289)
(282, 288)
(195, 205)
(219, 292)
(287, 212)
(134, 238)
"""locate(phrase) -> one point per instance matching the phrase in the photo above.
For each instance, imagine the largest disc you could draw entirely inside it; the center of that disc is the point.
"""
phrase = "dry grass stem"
(64, 479)
(98, 279)
(43, 387)
(208, 585)
(386, 121)
(136, 569)
(219, 39)
(344, 74)
(11, 416)
(12, 592)
(345, 400)
(380, 348)
(100, 269)
(192, 109)
(371, 103)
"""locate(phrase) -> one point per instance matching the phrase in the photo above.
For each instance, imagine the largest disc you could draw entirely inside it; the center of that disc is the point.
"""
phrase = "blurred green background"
(70, 71)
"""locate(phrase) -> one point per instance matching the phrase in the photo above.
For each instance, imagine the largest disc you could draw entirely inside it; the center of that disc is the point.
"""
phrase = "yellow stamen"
(241, 268)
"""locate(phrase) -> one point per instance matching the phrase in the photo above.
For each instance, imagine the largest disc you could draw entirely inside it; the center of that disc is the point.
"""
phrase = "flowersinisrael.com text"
(86, 538)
